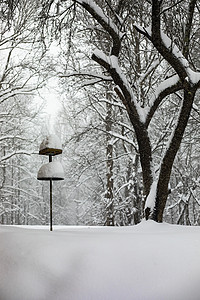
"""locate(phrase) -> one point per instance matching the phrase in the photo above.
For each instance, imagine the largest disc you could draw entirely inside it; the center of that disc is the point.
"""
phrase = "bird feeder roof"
(51, 171)
(51, 145)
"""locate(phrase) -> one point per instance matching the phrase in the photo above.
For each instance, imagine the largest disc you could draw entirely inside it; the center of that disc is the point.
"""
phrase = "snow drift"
(145, 262)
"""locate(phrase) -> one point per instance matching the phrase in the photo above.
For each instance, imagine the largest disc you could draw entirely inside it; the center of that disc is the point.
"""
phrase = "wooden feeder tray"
(50, 145)
(50, 178)
(50, 151)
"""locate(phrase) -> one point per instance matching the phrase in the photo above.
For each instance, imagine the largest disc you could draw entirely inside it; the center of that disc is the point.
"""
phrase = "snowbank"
(145, 262)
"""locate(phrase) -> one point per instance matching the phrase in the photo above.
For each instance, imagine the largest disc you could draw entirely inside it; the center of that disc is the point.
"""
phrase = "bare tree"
(24, 69)
(179, 73)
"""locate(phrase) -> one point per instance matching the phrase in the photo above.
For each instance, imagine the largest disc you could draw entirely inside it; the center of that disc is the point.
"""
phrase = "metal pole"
(51, 228)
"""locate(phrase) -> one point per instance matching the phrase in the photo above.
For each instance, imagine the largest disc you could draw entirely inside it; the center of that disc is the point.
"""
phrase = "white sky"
(52, 101)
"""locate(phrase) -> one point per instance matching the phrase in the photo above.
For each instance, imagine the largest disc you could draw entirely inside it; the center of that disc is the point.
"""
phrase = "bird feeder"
(50, 146)
(51, 171)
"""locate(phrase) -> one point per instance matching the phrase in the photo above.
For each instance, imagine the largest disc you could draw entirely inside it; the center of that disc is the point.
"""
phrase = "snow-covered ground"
(145, 262)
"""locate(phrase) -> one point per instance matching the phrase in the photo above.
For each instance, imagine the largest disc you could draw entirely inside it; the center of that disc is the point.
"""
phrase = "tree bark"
(168, 160)
(109, 168)
(168, 50)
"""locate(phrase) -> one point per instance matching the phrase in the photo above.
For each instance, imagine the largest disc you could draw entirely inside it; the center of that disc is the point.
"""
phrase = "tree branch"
(105, 22)
(163, 44)
(188, 28)
(87, 74)
(168, 87)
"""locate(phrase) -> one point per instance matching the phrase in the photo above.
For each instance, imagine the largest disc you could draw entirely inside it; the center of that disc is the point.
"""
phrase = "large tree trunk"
(109, 168)
(168, 160)
(184, 78)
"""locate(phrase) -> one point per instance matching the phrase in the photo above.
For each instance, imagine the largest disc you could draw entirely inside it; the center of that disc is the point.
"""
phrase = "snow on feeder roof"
(51, 145)
(52, 170)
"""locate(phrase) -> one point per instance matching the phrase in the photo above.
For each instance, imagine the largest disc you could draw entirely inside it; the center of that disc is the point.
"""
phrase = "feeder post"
(50, 146)
(51, 196)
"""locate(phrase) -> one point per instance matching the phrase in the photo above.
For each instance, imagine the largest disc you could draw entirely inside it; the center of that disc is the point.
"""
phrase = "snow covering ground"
(149, 261)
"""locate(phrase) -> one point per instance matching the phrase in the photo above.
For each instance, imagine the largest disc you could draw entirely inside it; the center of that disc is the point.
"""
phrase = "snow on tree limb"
(151, 198)
(15, 153)
(184, 79)
(164, 45)
(111, 64)
(105, 22)
(167, 83)
(173, 55)
(194, 77)
(122, 138)
(165, 88)
(169, 51)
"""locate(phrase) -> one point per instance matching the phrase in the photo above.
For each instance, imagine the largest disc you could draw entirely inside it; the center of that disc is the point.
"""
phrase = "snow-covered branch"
(169, 50)
(105, 22)
(165, 88)
(5, 157)
(111, 64)
(123, 138)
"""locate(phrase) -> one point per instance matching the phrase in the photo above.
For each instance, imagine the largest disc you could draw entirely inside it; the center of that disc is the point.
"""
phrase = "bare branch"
(87, 74)
(188, 28)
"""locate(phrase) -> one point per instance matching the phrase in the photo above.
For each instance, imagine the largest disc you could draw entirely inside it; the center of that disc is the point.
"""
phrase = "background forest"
(45, 52)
